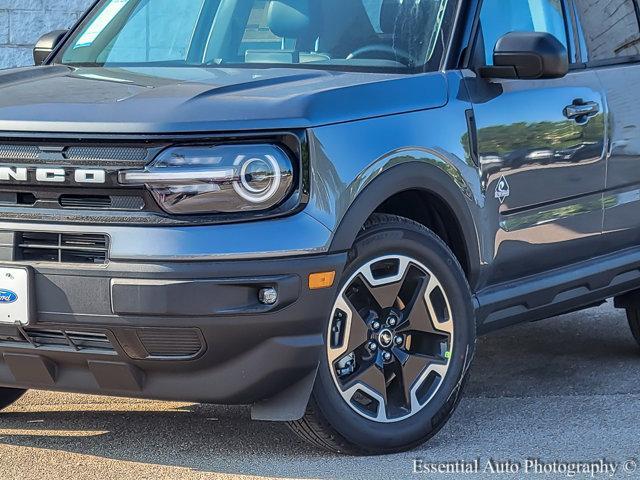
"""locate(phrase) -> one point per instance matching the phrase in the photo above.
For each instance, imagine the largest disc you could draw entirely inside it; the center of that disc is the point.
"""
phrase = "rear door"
(543, 167)
(611, 50)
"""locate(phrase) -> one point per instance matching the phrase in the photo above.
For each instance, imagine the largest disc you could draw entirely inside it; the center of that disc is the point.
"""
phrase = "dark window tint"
(499, 17)
(610, 28)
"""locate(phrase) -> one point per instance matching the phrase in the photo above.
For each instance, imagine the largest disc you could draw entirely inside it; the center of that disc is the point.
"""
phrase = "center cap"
(385, 338)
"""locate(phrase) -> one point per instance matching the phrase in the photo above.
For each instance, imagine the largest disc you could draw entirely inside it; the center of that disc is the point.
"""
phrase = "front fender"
(356, 167)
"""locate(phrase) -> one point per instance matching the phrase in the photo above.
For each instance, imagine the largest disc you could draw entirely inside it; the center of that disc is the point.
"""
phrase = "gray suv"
(312, 206)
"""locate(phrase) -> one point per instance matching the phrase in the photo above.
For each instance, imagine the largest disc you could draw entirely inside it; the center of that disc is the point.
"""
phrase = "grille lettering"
(52, 175)
(17, 174)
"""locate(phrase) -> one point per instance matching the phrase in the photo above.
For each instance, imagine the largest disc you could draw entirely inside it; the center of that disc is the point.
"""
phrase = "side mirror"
(528, 55)
(46, 45)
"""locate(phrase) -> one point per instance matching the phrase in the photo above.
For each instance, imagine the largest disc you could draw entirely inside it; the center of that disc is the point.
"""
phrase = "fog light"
(268, 296)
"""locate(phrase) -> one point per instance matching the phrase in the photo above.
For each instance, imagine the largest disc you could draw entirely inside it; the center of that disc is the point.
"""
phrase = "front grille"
(178, 342)
(62, 247)
(66, 340)
(19, 152)
(67, 201)
(17, 198)
(102, 202)
(85, 201)
(128, 154)
(74, 153)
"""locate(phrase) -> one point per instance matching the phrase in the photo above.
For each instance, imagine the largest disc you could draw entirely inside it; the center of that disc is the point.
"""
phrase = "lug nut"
(376, 325)
(393, 321)
(399, 340)
(373, 346)
(386, 356)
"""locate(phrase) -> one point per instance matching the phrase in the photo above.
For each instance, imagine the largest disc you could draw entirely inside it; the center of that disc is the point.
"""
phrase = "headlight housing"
(217, 179)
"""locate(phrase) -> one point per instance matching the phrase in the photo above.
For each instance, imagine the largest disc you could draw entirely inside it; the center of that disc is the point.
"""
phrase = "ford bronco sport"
(312, 206)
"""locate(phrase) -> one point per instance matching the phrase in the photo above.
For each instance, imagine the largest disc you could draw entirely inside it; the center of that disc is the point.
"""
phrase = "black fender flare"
(413, 175)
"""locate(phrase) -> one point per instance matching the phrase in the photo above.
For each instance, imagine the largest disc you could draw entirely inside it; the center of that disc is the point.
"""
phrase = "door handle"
(581, 111)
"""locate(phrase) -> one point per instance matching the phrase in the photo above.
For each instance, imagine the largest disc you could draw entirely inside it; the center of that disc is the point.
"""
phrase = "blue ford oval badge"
(7, 296)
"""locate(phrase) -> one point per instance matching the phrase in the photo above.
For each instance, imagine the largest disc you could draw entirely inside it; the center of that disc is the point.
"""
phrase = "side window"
(611, 28)
(499, 17)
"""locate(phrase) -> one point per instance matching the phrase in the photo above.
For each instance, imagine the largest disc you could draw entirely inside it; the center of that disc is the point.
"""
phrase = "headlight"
(219, 179)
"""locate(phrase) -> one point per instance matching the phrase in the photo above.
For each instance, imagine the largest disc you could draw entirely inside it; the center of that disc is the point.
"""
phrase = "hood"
(60, 99)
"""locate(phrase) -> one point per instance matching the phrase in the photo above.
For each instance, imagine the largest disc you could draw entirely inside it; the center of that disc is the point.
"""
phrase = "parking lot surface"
(565, 389)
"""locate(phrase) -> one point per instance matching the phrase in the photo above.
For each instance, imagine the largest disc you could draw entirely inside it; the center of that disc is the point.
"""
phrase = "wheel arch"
(440, 181)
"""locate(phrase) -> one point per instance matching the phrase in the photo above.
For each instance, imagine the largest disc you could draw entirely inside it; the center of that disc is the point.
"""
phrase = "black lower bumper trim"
(221, 349)
(251, 377)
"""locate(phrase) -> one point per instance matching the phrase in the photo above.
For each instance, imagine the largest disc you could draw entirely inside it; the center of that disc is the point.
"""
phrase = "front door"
(541, 150)
(610, 48)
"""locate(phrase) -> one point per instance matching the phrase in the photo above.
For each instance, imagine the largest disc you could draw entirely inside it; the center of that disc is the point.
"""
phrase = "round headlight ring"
(245, 174)
(249, 193)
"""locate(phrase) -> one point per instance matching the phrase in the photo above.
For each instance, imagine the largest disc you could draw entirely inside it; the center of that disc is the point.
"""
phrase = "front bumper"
(299, 234)
(188, 331)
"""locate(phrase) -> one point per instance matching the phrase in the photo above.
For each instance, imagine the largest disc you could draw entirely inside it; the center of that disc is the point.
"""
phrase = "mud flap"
(627, 300)
(288, 405)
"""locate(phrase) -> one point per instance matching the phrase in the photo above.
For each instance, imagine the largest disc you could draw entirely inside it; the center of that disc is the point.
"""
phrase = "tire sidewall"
(633, 316)
(414, 241)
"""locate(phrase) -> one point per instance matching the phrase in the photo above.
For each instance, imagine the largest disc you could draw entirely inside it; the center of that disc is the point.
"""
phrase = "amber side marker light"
(321, 280)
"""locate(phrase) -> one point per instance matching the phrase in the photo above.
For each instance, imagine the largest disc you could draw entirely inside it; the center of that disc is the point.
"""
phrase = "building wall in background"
(611, 28)
(22, 22)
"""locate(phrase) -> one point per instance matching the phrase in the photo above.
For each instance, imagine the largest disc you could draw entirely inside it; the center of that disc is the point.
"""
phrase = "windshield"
(369, 34)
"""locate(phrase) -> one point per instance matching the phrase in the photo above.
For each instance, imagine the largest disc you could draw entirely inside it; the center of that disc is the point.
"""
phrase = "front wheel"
(399, 343)
(633, 315)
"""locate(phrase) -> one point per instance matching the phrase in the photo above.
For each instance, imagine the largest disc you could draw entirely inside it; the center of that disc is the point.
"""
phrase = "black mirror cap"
(46, 45)
(528, 56)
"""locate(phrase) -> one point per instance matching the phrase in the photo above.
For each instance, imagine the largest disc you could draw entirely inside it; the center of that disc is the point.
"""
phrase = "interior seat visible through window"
(313, 31)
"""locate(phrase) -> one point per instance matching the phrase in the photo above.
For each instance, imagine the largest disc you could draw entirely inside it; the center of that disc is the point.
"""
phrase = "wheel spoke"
(439, 309)
(355, 330)
(412, 369)
(401, 354)
(358, 330)
(416, 315)
(372, 376)
(385, 291)
(396, 405)
(386, 295)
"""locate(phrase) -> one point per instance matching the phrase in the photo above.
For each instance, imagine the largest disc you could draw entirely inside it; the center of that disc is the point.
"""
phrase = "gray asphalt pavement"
(566, 389)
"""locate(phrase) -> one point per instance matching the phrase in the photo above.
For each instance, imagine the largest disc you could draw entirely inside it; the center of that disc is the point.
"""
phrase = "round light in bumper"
(268, 296)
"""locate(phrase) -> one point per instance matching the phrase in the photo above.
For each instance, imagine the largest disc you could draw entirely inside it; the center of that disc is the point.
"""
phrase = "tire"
(9, 395)
(412, 404)
(633, 315)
